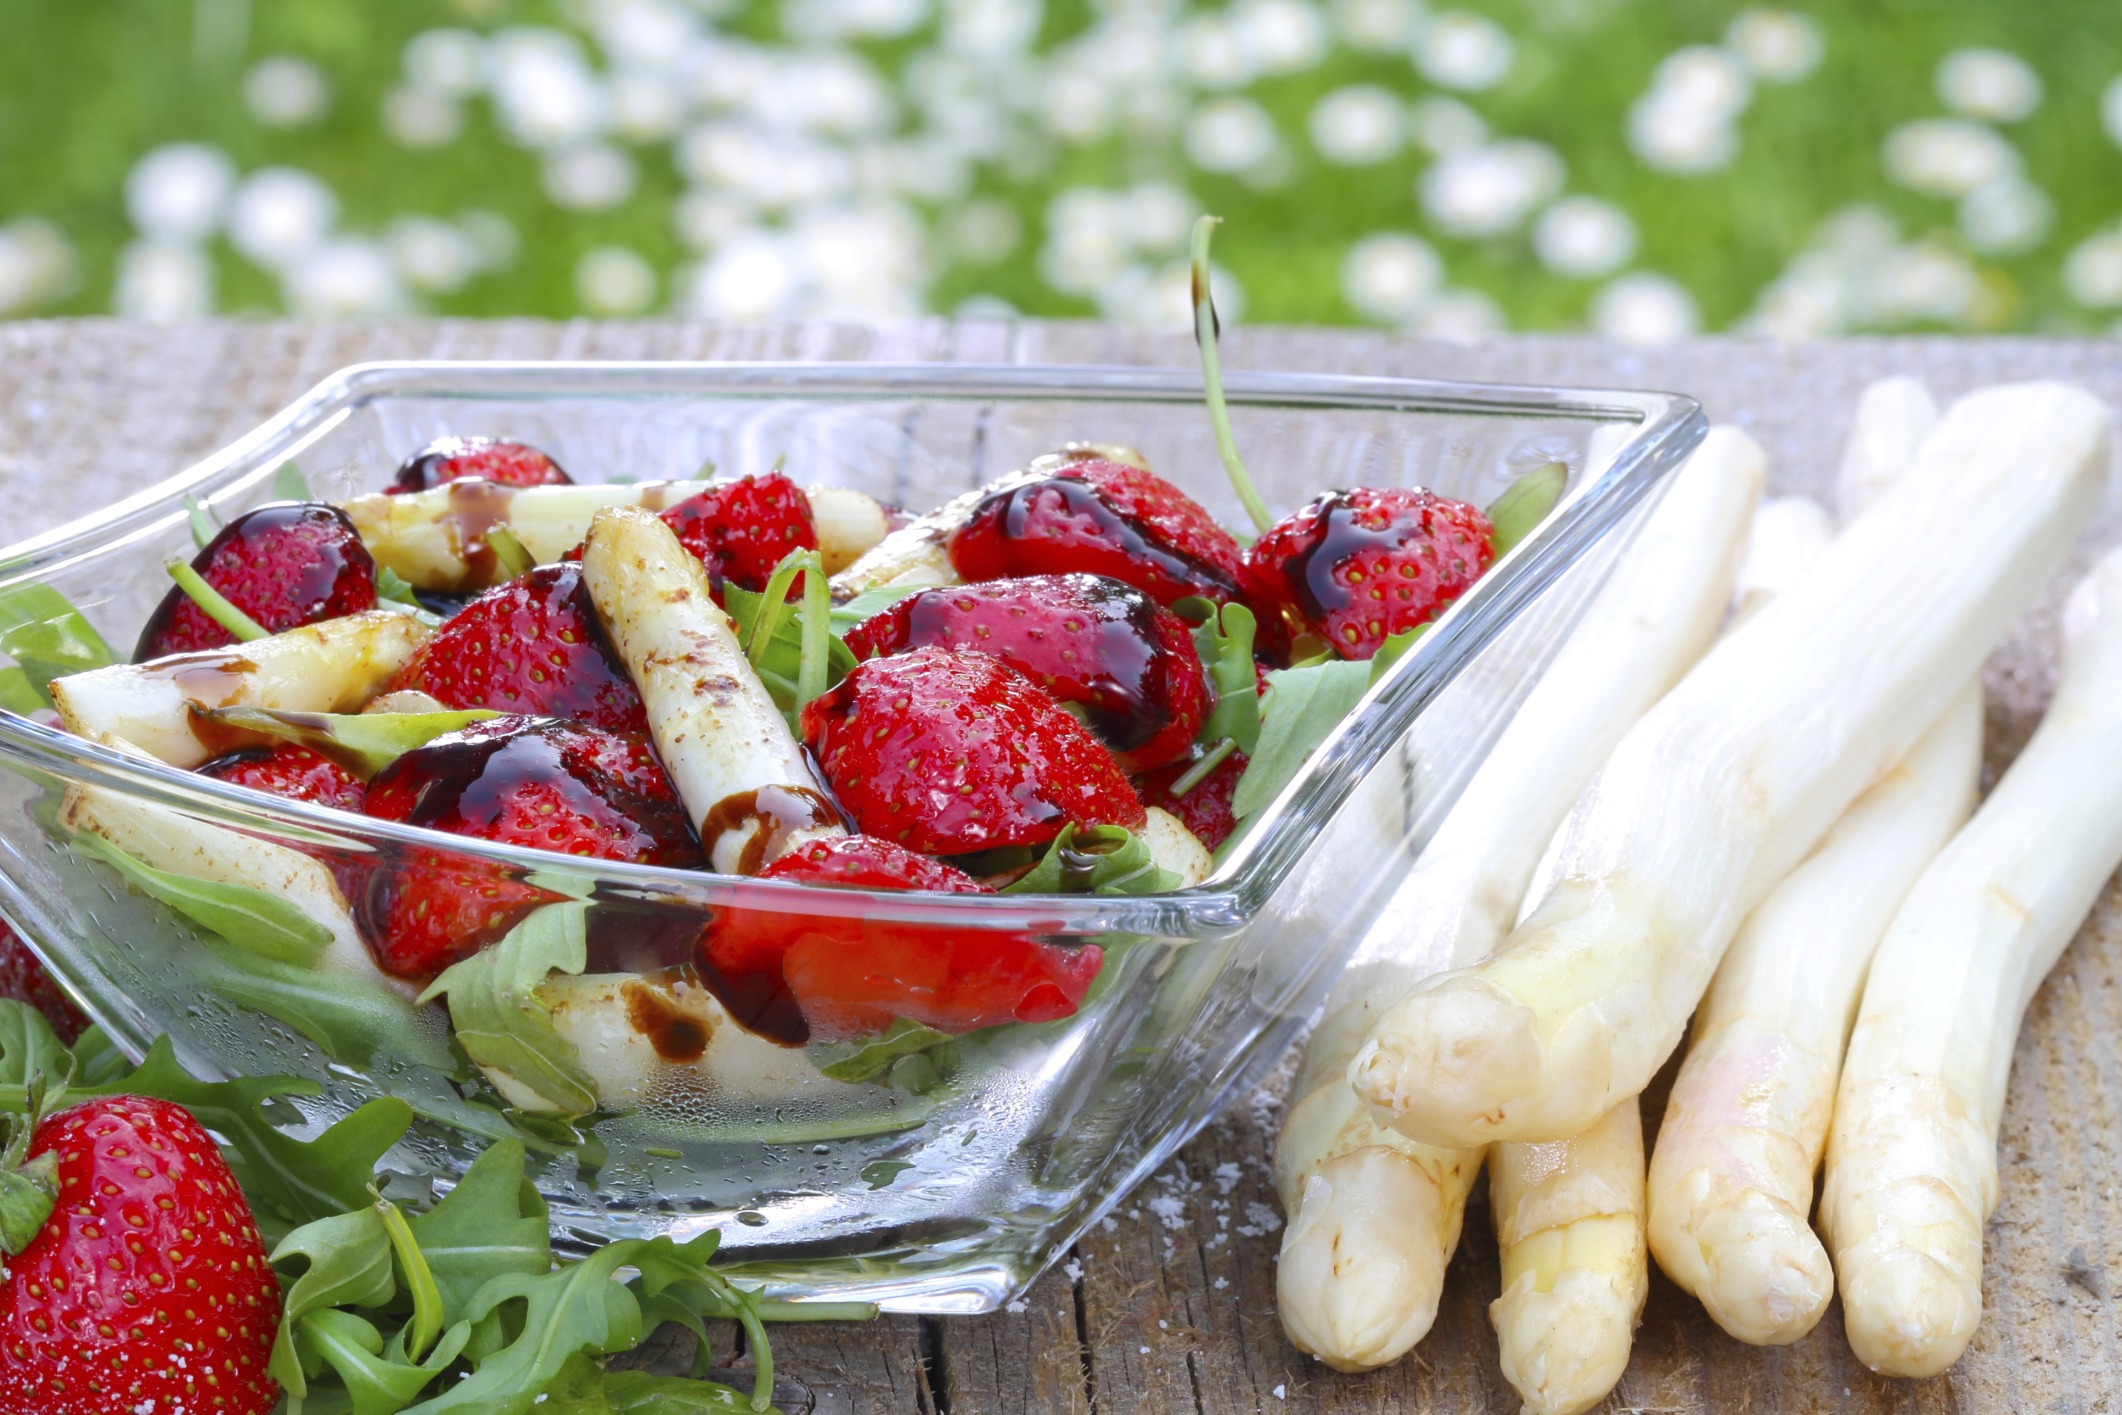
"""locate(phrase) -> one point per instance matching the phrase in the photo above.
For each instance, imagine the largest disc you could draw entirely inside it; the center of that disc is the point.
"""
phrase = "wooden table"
(1156, 1317)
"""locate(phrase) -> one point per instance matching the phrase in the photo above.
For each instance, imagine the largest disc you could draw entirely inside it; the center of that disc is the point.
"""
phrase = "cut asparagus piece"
(1725, 786)
(1569, 1232)
(1374, 1215)
(333, 666)
(436, 539)
(1911, 1163)
(1176, 848)
(741, 774)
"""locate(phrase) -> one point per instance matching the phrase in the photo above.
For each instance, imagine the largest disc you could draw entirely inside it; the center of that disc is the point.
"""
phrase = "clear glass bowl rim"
(1667, 427)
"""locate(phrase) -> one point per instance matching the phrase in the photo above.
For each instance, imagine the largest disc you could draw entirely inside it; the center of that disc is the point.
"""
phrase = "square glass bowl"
(937, 1186)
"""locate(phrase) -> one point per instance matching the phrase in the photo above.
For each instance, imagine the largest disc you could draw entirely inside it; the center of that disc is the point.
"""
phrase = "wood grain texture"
(1169, 1306)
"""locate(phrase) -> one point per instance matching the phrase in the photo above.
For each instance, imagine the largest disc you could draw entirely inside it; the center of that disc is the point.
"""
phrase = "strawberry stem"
(204, 526)
(1198, 772)
(29, 1188)
(214, 605)
(1206, 328)
(509, 553)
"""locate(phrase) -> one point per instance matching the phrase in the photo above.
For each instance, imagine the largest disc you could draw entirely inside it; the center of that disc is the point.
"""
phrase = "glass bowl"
(938, 1185)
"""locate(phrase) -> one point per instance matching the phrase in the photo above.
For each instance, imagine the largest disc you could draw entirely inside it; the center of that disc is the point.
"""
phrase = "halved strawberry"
(536, 782)
(1205, 808)
(532, 645)
(1104, 518)
(1100, 644)
(948, 752)
(793, 977)
(292, 770)
(1356, 567)
(449, 459)
(285, 565)
(741, 530)
(147, 1287)
(24, 979)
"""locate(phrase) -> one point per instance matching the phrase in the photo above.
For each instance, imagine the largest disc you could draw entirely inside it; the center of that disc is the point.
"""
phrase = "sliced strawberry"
(1100, 644)
(537, 782)
(532, 645)
(24, 979)
(1104, 518)
(147, 1289)
(285, 565)
(1205, 808)
(291, 770)
(741, 530)
(1356, 567)
(947, 752)
(449, 459)
(793, 977)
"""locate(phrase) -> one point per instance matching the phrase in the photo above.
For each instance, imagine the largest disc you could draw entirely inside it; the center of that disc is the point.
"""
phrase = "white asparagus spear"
(1569, 1231)
(1746, 1122)
(1785, 541)
(1911, 1163)
(435, 539)
(738, 769)
(1374, 1216)
(1730, 781)
(335, 666)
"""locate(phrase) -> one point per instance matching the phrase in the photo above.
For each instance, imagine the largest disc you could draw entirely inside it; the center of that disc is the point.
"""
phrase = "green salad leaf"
(47, 638)
(1223, 636)
(873, 1057)
(1524, 504)
(495, 1012)
(352, 1017)
(362, 742)
(349, 1264)
(268, 925)
(492, 1223)
(871, 602)
(378, 1377)
(778, 657)
(1098, 859)
(29, 1048)
(203, 525)
(1303, 706)
(392, 592)
(585, 1388)
(290, 485)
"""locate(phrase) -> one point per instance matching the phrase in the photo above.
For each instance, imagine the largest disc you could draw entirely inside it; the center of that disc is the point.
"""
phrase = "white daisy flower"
(752, 276)
(1947, 157)
(280, 216)
(991, 28)
(164, 281)
(705, 217)
(1390, 277)
(2111, 110)
(1464, 51)
(1993, 84)
(866, 261)
(589, 177)
(2093, 272)
(448, 63)
(1777, 46)
(416, 118)
(493, 240)
(431, 255)
(646, 106)
(179, 193)
(1490, 190)
(645, 34)
(1383, 25)
(1230, 135)
(1445, 125)
(1159, 216)
(284, 91)
(37, 264)
(1459, 317)
(1584, 237)
(1285, 36)
(2006, 217)
(545, 93)
(1359, 124)
(853, 19)
(1927, 282)
(1212, 52)
(985, 231)
(348, 278)
(614, 281)
(1705, 78)
(1645, 308)
(1674, 135)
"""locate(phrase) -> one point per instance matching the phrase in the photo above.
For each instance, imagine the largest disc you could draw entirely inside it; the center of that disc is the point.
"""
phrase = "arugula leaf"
(493, 1222)
(1524, 504)
(1302, 707)
(290, 485)
(30, 1048)
(779, 661)
(393, 592)
(362, 742)
(1099, 859)
(265, 924)
(871, 602)
(415, 1276)
(351, 1017)
(47, 638)
(585, 1388)
(1223, 636)
(872, 1057)
(497, 1017)
(349, 1265)
(379, 1380)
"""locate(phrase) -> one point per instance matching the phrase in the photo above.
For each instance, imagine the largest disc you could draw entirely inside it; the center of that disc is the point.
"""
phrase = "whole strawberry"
(537, 782)
(147, 1287)
(947, 752)
(449, 459)
(292, 770)
(1104, 518)
(793, 977)
(24, 979)
(1205, 809)
(285, 565)
(1356, 567)
(1107, 647)
(532, 645)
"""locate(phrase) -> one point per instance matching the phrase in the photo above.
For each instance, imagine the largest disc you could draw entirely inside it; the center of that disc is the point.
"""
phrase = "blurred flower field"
(1452, 167)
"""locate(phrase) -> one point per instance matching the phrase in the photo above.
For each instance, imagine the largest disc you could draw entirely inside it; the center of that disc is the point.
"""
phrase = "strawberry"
(285, 565)
(793, 977)
(147, 1287)
(1103, 517)
(1356, 567)
(741, 530)
(532, 645)
(948, 752)
(449, 459)
(291, 770)
(1205, 808)
(1105, 646)
(542, 783)
(23, 979)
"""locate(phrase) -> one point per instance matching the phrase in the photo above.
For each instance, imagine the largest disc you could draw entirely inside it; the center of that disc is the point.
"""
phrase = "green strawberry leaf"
(871, 1058)
(1098, 859)
(1223, 636)
(1524, 504)
(290, 485)
(379, 1380)
(495, 1012)
(362, 742)
(493, 1222)
(261, 923)
(47, 638)
(349, 1257)
(351, 1017)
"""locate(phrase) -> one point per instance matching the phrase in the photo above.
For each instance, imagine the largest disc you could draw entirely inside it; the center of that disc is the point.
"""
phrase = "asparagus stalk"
(1725, 786)
(1911, 1164)
(1375, 1215)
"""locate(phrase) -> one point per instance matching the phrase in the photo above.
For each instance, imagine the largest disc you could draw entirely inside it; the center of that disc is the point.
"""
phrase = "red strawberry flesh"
(1205, 808)
(540, 783)
(532, 645)
(449, 459)
(285, 565)
(24, 979)
(148, 1287)
(1100, 644)
(948, 752)
(292, 770)
(740, 530)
